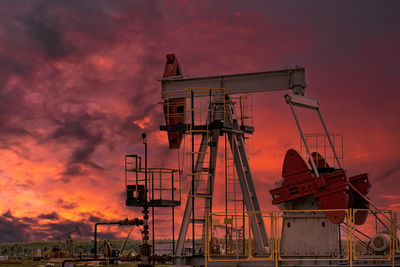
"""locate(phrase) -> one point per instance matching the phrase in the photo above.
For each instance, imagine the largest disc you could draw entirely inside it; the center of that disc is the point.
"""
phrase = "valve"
(135, 221)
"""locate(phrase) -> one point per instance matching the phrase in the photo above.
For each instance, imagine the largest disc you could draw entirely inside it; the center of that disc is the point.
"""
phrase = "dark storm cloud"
(60, 229)
(52, 93)
(47, 49)
(77, 125)
(67, 205)
(9, 65)
(29, 220)
(49, 216)
(74, 170)
(8, 214)
(19, 229)
(44, 26)
(83, 153)
(47, 34)
(12, 229)
(82, 128)
(10, 106)
(94, 219)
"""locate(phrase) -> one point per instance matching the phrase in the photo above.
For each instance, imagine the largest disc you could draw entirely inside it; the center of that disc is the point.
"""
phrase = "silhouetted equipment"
(126, 221)
(69, 242)
(175, 110)
(314, 195)
(331, 188)
(55, 252)
(217, 117)
(319, 204)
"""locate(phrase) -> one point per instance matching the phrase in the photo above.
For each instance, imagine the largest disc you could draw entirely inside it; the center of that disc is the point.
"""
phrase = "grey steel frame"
(313, 105)
(287, 79)
(235, 136)
(173, 87)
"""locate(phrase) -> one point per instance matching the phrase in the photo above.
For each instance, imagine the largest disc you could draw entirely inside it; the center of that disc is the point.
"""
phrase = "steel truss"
(219, 125)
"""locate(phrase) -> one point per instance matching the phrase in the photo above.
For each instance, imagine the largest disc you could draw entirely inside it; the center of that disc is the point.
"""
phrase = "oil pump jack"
(69, 244)
(315, 198)
(220, 120)
(319, 187)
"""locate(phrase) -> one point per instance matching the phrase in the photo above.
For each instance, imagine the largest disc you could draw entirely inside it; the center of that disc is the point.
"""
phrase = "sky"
(79, 84)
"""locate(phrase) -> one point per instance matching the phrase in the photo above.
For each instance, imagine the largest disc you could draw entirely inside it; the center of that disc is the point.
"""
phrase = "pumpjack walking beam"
(287, 79)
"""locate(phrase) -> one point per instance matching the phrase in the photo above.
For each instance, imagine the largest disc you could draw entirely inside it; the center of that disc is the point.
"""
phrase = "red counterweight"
(332, 189)
(174, 109)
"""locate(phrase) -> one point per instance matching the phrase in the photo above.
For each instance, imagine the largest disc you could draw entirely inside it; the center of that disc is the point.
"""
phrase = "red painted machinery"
(332, 190)
(174, 109)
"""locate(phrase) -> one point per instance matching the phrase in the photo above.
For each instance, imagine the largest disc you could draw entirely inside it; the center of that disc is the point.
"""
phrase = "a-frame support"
(235, 135)
(249, 193)
(187, 217)
(189, 204)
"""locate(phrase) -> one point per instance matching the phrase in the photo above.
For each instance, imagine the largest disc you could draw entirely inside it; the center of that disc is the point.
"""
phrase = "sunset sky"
(79, 84)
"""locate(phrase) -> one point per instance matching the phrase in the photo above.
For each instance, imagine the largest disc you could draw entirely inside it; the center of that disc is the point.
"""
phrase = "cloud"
(388, 173)
(78, 86)
(10, 66)
(46, 33)
(13, 230)
(17, 229)
(66, 205)
(68, 99)
(49, 216)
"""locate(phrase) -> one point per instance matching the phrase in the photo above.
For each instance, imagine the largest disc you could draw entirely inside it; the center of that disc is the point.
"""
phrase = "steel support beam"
(180, 245)
(302, 137)
(312, 104)
(287, 79)
(211, 179)
(210, 185)
(248, 190)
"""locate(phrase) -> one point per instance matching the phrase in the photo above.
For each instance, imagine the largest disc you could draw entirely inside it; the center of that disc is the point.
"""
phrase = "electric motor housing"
(380, 242)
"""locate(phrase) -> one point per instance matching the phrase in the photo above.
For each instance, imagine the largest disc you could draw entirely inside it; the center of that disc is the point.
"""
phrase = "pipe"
(88, 260)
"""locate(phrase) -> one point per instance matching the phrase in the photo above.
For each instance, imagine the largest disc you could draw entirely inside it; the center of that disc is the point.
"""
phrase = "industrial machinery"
(324, 219)
(108, 251)
(323, 215)
(112, 255)
(69, 244)
(158, 189)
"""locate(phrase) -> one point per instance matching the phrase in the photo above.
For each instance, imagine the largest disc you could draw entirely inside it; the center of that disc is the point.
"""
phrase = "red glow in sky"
(79, 84)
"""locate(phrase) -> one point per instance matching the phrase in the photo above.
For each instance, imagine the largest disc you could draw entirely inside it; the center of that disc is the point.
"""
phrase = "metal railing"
(349, 239)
